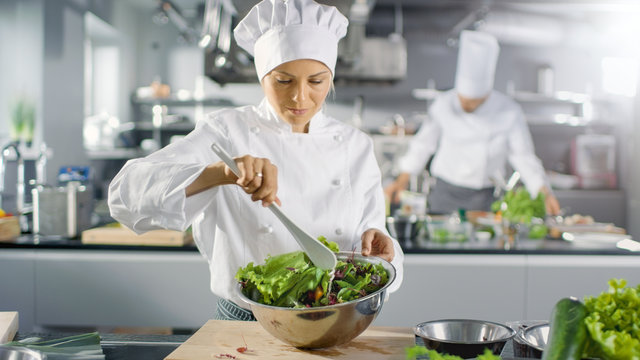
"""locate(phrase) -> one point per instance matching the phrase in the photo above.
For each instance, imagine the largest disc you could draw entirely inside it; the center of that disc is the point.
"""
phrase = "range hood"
(360, 58)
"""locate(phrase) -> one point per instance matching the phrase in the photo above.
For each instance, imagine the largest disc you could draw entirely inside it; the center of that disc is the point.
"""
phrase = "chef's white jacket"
(471, 148)
(328, 182)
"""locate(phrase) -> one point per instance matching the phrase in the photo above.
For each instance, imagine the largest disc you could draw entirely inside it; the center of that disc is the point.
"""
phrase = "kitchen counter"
(28, 241)
(64, 283)
(524, 246)
(154, 347)
(125, 346)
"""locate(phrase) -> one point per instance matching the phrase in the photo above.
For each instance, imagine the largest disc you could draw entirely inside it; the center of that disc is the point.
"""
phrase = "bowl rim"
(370, 259)
(523, 338)
(416, 331)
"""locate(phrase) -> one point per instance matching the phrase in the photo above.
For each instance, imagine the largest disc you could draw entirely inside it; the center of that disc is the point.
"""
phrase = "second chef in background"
(473, 130)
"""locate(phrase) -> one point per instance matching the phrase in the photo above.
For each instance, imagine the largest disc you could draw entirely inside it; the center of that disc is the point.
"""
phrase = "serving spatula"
(319, 254)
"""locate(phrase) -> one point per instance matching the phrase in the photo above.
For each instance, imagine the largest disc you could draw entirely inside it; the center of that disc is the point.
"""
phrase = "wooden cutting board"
(557, 230)
(218, 337)
(8, 325)
(123, 236)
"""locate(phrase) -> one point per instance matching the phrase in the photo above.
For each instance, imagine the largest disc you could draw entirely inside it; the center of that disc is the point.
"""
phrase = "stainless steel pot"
(63, 211)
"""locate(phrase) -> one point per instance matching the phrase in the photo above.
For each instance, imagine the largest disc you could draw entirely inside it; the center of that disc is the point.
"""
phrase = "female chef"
(473, 131)
(322, 171)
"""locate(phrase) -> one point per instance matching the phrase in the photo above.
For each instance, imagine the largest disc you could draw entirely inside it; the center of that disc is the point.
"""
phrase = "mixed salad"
(291, 280)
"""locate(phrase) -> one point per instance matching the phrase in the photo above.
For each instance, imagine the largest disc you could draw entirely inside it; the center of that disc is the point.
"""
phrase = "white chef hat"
(477, 58)
(278, 31)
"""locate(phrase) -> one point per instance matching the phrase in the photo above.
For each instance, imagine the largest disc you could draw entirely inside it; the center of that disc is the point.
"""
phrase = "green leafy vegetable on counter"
(291, 280)
(613, 322)
(520, 207)
(538, 231)
(415, 351)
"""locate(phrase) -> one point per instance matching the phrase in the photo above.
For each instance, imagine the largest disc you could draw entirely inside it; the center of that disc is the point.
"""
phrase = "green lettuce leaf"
(613, 322)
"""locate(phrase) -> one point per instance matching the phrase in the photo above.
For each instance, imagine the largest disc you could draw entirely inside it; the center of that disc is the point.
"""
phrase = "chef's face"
(470, 104)
(296, 90)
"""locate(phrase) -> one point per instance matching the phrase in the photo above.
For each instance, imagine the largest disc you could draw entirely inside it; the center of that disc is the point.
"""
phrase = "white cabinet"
(498, 287)
(17, 292)
(552, 277)
(122, 288)
(54, 287)
(436, 286)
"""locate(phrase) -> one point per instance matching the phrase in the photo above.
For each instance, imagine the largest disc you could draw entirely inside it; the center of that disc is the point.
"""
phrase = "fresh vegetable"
(5, 214)
(567, 331)
(418, 350)
(517, 206)
(538, 231)
(333, 246)
(291, 280)
(613, 322)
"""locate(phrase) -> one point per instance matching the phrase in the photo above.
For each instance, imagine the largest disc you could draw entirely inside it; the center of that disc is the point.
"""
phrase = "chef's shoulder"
(226, 119)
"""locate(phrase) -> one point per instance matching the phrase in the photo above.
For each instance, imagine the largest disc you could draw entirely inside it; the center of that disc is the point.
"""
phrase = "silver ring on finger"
(259, 174)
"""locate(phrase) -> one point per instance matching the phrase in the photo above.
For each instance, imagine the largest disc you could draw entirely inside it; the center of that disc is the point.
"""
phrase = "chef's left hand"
(376, 243)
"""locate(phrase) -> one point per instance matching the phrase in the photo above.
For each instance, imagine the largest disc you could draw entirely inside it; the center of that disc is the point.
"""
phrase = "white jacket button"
(255, 130)
(338, 231)
(337, 182)
(266, 229)
(337, 137)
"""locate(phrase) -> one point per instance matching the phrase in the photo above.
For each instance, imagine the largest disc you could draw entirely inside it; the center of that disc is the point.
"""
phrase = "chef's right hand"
(259, 178)
(392, 191)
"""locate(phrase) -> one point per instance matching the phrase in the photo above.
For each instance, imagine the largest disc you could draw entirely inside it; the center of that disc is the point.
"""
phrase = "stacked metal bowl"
(464, 337)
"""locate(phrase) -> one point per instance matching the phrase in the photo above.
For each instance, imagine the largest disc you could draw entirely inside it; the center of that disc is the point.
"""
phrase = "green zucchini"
(567, 331)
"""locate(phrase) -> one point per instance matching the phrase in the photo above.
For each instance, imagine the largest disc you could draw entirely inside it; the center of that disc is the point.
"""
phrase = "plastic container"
(443, 229)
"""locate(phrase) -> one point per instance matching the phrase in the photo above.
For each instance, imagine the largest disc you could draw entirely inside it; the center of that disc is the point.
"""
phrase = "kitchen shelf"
(557, 119)
(566, 97)
(174, 101)
(577, 101)
(29, 153)
(177, 126)
(115, 154)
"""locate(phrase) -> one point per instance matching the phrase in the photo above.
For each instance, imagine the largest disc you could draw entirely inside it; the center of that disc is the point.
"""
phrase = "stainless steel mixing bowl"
(20, 353)
(463, 337)
(326, 326)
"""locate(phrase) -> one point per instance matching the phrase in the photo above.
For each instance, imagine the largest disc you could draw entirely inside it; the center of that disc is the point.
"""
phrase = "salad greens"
(613, 322)
(520, 207)
(418, 350)
(291, 280)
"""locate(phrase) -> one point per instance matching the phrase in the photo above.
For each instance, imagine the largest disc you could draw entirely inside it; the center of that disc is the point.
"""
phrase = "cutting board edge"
(11, 318)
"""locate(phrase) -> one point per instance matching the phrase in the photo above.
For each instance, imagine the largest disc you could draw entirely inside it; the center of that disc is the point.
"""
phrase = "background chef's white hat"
(278, 31)
(477, 58)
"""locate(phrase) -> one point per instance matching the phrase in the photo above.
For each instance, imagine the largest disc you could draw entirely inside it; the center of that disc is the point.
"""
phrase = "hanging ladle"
(319, 254)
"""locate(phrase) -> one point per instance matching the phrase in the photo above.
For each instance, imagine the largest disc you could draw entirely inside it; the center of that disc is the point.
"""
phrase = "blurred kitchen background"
(89, 84)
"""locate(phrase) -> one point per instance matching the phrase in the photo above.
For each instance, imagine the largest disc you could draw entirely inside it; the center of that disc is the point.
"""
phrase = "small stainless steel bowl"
(463, 337)
(325, 326)
(530, 341)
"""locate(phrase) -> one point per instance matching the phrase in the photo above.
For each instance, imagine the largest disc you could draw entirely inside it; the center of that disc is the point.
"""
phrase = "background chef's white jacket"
(328, 182)
(470, 148)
